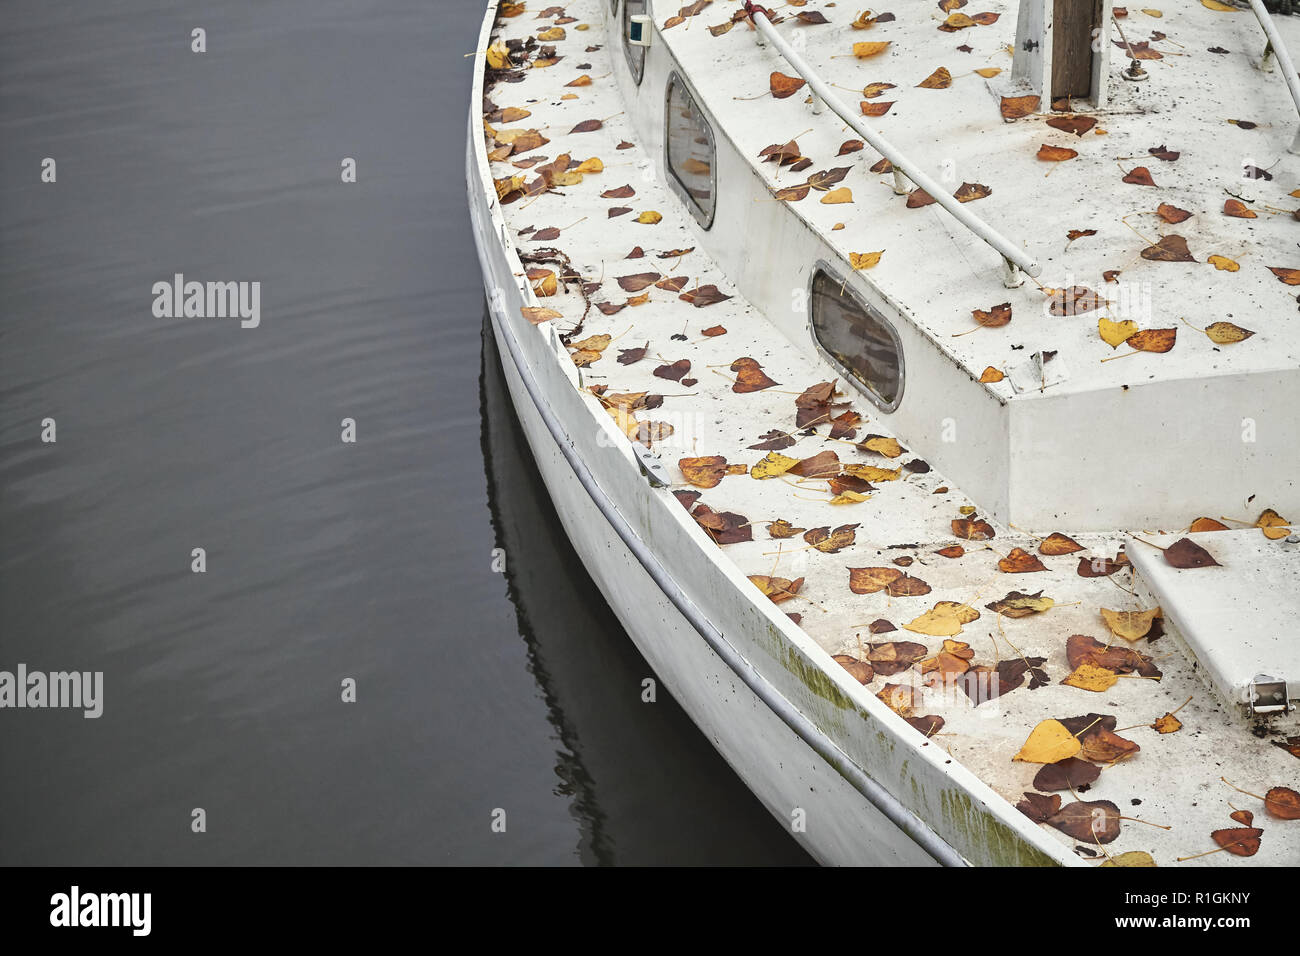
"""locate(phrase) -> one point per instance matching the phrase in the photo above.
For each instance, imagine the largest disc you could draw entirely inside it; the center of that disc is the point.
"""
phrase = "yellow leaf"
(592, 165)
(1116, 334)
(1225, 333)
(537, 314)
(625, 421)
(989, 72)
(881, 445)
(597, 343)
(1216, 5)
(1223, 264)
(569, 96)
(773, 465)
(1091, 677)
(584, 357)
(1168, 724)
(649, 218)
(1049, 742)
(872, 48)
(498, 56)
(511, 9)
(1130, 625)
(865, 260)
(1139, 857)
(958, 21)
(543, 281)
(943, 620)
(1273, 525)
(513, 114)
(841, 195)
(554, 33)
(872, 473)
(583, 26)
(849, 498)
(1153, 13)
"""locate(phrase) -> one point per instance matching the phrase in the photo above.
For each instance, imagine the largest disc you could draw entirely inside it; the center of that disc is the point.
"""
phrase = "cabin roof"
(959, 133)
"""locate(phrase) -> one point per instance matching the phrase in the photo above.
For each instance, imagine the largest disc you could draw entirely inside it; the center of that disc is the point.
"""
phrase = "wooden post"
(1072, 24)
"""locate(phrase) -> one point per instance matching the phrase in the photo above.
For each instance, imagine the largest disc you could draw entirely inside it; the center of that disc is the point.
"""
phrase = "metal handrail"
(1283, 59)
(1014, 259)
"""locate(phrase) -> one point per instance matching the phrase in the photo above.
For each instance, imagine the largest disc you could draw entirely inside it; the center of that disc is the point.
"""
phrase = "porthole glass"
(635, 54)
(858, 338)
(690, 152)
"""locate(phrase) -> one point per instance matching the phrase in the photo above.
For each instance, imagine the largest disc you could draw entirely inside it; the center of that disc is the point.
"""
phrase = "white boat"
(965, 333)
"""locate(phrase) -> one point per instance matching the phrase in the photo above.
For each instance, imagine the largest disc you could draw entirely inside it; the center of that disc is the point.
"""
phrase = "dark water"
(326, 560)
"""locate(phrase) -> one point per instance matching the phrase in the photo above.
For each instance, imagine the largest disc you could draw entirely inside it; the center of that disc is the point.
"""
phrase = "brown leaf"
(952, 551)
(1076, 300)
(972, 528)
(1020, 561)
(860, 670)
(636, 283)
(587, 126)
(750, 376)
(1239, 841)
(1170, 248)
(1153, 340)
(995, 318)
(1093, 822)
(793, 193)
(1065, 774)
(821, 465)
(881, 626)
(1244, 817)
(969, 192)
(704, 295)
(1057, 544)
(1159, 152)
(1078, 125)
(774, 440)
(1283, 803)
(631, 356)
(673, 371)
(713, 331)
(783, 86)
(1139, 176)
(827, 178)
(1172, 214)
(1101, 567)
(928, 725)
(1014, 107)
(1289, 276)
(1238, 210)
(777, 589)
(1039, 807)
(780, 528)
(918, 197)
(1056, 154)
(1185, 553)
(851, 146)
(876, 109)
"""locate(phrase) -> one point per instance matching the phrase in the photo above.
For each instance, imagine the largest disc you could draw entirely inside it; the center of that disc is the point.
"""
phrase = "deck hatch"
(634, 52)
(689, 151)
(857, 338)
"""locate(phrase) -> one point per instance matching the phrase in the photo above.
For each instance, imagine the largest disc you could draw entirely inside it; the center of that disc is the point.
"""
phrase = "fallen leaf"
(940, 79)
(1014, 107)
(1078, 125)
(860, 670)
(1239, 841)
(1139, 176)
(1238, 210)
(1273, 524)
(1017, 605)
(851, 146)
(778, 589)
(1172, 214)
(870, 48)
(1223, 264)
(1049, 742)
(1056, 154)
(870, 92)
(1153, 340)
(1130, 625)
(673, 371)
(1091, 677)
(1170, 248)
(705, 472)
(1057, 544)
(773, 465)
(841, 195)
(1288, 276)
(952, 551)
(1116, 334)
(703, 296)
(898, 698)
(882, 445)
(1066, 774)
(991, 374)
(994, 318)
(1020, 561)
(783, 86)
(649, 218)
(864, 260)
(1095, 821)
(969, 192)
(750, 376)
(831, 542)
(1168, 724)
(1185, 553)
(945, 619)
(972, 529)
(1207, 524)
(1039, 806)
(989, 72)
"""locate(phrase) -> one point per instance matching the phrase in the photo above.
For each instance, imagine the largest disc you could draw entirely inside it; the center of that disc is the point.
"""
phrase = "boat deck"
(638, 267)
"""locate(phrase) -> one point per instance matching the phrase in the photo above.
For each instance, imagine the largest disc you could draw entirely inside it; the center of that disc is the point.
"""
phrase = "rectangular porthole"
(691, 159)
(857, 338)
(635, 54)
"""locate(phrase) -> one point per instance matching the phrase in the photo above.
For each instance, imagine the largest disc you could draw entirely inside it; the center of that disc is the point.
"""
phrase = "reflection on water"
(646, 785)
